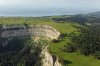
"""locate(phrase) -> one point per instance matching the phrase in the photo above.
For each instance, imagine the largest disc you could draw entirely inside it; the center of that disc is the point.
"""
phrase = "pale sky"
(37, 6)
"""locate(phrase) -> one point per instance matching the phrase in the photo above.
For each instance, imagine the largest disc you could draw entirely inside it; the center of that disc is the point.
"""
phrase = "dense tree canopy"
(87, 43)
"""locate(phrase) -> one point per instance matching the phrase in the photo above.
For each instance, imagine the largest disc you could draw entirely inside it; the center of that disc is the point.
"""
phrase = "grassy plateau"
(71, 59)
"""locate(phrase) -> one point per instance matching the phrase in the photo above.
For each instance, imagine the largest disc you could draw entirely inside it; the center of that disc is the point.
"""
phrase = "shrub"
(55, 41)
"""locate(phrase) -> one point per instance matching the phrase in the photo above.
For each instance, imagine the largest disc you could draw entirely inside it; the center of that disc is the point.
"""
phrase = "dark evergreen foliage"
(87, 43)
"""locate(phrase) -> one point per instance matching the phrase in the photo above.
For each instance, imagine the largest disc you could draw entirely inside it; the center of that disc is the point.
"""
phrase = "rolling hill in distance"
(97, 13)
(44, 12)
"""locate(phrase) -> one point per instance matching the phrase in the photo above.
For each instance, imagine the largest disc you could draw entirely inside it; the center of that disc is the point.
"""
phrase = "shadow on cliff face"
(12, 44)
(14, 52)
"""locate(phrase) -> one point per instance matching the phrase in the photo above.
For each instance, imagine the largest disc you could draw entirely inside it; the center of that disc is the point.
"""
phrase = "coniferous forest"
(87, 43)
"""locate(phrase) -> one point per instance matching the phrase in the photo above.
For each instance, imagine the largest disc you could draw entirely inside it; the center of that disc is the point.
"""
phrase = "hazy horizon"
(47, 7)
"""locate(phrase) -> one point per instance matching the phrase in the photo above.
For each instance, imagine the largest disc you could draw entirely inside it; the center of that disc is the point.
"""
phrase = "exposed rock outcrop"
(48, 59)
(34, 30)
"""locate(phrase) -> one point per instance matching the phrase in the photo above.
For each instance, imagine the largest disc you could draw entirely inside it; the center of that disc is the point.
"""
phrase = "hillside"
(96, 14)
(67, 28)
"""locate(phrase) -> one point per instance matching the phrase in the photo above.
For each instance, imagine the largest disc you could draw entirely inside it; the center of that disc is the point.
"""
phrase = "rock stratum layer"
(34, 30)
(9, 31)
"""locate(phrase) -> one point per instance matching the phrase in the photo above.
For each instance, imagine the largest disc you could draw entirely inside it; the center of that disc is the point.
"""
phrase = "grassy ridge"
(74, 59)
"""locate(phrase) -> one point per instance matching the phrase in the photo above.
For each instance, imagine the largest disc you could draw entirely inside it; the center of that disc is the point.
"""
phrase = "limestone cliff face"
(47, 58)
(35, 30)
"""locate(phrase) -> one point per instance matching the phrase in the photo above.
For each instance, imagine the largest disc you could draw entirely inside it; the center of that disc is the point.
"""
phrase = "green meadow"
(71, 59)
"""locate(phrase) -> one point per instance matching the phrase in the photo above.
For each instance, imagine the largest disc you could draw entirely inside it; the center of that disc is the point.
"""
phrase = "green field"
(73, 59)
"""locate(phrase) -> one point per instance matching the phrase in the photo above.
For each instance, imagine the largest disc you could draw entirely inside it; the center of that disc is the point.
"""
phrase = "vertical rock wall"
(47, 58)
(35, 30)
